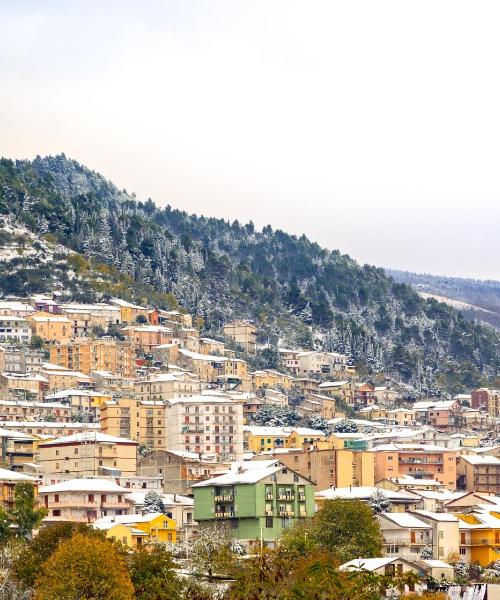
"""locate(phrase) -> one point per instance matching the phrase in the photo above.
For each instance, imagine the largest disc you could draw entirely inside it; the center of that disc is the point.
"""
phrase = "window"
(91, 497)
(269, 522)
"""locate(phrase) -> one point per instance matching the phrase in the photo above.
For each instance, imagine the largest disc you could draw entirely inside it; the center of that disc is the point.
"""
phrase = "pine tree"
(379, 502)
(153, 502)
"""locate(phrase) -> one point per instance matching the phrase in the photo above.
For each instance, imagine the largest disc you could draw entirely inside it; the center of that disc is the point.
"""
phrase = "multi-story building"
(166, 354)
(18, 410)
(480, 536)
(143, 421)
(445, 532)
(14, 330)
(179, 470)
(50, 429)
(84, 403)
(26, 386)
(84, 321)
(321, 363)
(243, 333)
(8, 482)
(421, 461)
(256, 501)
(403, 417)
(60, 378)
(404, 535)
(165, 386)
(318, 404)
(20, 360)
(88, 355)
(105, 381)
(89, 454)
(270, 378)
(327, 467)
(50, 327)
(107, 314)
(487, 399)
(206, 424)
(146, 337)
(343, 390)
(479, 473)
(210, 368)
(400, 502)
(15, 309)
(83, 500)
(440, 414)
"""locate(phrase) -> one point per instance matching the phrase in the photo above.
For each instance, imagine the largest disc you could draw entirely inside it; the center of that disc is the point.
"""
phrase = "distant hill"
(477, 299)
(106, 242)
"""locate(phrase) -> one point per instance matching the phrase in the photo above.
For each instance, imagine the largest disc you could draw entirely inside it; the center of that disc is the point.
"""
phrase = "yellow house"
(50, 327)
(156, 527)
(258, 439)
(128, 311)
(303, 435)
(480, 536)
(270, 378)
(128, 536)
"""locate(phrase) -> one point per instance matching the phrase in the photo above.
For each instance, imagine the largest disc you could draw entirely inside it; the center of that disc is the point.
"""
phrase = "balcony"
(224, 515)
(224, 498)
(286, 497)
(302, 497)
(269, 513)
(286, 513)
(302, 513)
(418, 461)
(269, 496)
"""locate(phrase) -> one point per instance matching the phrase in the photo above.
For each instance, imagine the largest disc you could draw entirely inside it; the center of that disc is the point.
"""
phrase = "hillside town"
(123, 417)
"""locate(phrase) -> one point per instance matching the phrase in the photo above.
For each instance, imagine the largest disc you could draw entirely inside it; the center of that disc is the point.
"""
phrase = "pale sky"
(372, 127)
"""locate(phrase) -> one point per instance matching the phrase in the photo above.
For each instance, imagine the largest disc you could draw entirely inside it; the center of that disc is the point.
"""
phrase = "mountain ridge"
(297, 292)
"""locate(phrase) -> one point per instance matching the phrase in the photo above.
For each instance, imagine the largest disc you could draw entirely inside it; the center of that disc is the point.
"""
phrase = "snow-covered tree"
(317, 422)
(210, 552)
(153, 502)
(426, 553)
(345, 426)
(379, 502)
(461, 572)
(276, 416)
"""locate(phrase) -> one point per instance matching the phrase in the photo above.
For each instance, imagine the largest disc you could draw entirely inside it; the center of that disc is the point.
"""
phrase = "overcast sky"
(373, 127)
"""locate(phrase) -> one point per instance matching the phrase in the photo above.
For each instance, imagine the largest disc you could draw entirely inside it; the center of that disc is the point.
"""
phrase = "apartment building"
(206, 424)
(165, 386)
(50, 327)
(209, 368)
(487, 399)
(445, 532)
(440, 414)
(105, 381)
(243, 333)
(15, 309)
(255, 501)
(270, 378)
(146, 337)
(327, 467)
(88, 355)
(83, 500)
(339, 389)
(321, 363)
(179, 470)
(27, 386)
(404, 535)
(421, 461)
(107, 314)
(479, 473)
(60, 378)
(20, 360)
(143, 421)
(89, 453)
(324, 406)
(14, 330)
(17, 410)
(83, 402)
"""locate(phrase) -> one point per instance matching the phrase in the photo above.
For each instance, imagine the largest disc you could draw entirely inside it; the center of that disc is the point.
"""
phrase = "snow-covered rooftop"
(84, 485)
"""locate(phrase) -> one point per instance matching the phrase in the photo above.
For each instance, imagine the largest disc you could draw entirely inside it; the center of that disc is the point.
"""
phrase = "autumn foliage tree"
(85, 568)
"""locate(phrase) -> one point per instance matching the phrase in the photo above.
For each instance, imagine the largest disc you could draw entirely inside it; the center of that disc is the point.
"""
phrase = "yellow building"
(303, 435)
(50, 327)
(126, 534)
(143, 421)
(60, 378)
(270, 378)
(260, 439)
(480, 537)
(156, 527)
(88, 355)
(27, 386)
(209, 368)
(128, 311)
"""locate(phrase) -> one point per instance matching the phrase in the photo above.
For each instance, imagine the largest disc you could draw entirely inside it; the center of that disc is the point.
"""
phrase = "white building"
(206, 424)
(84, 500)
(14, 329)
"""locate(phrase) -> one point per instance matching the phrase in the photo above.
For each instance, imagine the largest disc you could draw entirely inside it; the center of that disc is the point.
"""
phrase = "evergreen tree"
(153, 502)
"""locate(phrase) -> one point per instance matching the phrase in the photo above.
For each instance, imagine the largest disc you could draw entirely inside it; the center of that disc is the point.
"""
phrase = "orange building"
(146, 337)
(422, 461)
(50, 327)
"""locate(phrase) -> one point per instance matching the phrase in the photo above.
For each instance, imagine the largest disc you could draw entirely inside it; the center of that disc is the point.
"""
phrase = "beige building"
(28, 386)
(104, 381)
(89, 454)
(60, 378)
(15, 308)
(18, 410)
(321, 363)
(270, 378)
(206, 424)
(243, 333)
(165, 386)
(166, 354)
(88, 355)
(14, 359)
(479, 473)
(106, 313)
(212, 368)
(83, 402)
(50, 327)
(141, 421)
(445, 532)
(83, 500)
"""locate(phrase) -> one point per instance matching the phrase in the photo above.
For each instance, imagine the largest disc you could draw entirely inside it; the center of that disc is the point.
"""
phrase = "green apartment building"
(255, 501)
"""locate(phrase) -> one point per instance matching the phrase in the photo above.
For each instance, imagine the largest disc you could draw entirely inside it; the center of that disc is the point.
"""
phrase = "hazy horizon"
(371, 128)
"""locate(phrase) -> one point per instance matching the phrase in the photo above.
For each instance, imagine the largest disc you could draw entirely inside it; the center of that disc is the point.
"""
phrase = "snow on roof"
(410, 448)
(84, 485)
(107, 525)
(204, 357)
(405, 519)
(368, 564)
(244, 472)
(11, 319)
(88, 436)
(334, 384)
(131, 519)
(483, 459)
(125, 304)
(148, 328)
(137, 499)
(435, 564)
(25, 376)
(75, 392)
(6, 475)
(437, 516)
(204, 399)
(363, 493)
